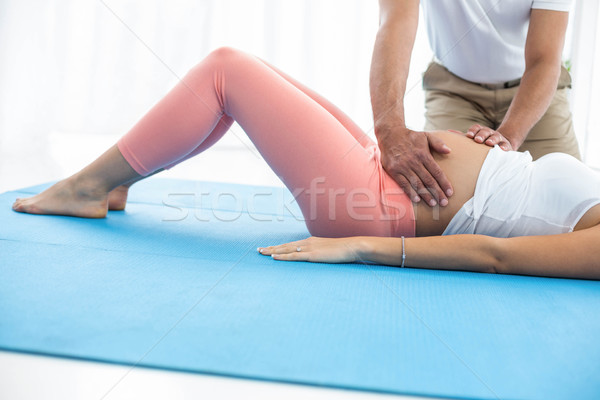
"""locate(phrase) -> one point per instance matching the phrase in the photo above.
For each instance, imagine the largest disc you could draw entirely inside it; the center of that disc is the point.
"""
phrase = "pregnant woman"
(507, 214)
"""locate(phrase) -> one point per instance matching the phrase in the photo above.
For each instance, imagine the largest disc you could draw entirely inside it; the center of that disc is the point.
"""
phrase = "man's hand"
(490, 137)
(406, 156)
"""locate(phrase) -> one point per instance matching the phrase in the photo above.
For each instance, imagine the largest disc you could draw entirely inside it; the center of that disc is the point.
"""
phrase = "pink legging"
(327, 162)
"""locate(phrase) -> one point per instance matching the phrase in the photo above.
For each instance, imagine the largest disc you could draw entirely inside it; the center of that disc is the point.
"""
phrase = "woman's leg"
(118, 197)
(337, 183)
(363, 139)
(226, 121)
(84, 194)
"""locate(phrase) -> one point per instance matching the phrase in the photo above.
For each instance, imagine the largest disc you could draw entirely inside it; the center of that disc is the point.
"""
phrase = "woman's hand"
(317, 249)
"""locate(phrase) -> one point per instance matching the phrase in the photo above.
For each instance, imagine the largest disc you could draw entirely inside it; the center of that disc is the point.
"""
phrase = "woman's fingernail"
(416, 199)
(432, 202)
(449, 192)
(444, 202)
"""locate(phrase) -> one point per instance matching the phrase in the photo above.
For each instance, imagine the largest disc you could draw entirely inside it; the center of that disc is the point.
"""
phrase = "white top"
(483, 40)
(515, 196)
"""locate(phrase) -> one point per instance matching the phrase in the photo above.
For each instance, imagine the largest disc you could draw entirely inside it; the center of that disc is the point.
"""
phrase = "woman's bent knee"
(225, 56)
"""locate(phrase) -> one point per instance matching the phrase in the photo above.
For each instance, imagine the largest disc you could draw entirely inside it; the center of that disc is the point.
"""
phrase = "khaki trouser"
(454, 103)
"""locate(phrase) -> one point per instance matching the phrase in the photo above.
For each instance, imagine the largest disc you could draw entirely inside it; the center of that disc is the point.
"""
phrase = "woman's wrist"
(364, 248)
(380, 250)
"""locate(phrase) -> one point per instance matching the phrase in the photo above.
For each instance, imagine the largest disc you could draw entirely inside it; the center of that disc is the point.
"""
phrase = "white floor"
(24, 376)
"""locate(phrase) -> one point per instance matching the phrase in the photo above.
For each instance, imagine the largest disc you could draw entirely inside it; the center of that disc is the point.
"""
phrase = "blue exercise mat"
(175, 282)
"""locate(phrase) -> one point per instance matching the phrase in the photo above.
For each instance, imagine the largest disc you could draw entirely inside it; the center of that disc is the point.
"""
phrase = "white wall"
(77, 74)
(585, 96)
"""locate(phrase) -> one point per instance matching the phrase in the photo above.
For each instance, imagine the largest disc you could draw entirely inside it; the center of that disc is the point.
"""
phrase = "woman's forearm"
(566, 255)
(458, 252)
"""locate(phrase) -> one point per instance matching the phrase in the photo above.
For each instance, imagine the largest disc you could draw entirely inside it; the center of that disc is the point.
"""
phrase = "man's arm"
(543, 50)
(405, 154)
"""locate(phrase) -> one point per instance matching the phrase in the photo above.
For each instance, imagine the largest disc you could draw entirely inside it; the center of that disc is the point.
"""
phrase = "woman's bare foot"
(117, 198)
(69, 197)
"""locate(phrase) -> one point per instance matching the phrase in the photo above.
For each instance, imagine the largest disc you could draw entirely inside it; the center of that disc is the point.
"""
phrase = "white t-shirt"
(483, 40)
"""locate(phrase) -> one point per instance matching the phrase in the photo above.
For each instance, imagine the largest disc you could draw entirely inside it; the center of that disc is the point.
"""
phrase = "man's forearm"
(391, 61)
(535, 93)
(405, 154)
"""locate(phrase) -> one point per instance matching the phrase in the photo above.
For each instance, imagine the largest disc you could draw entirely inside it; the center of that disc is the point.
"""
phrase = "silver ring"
(298, 248)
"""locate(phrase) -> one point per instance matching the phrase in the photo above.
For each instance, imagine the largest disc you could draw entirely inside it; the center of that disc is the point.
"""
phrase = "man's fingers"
(506, 146)
(423, 192)
(446, 189)
(426, 181)
(498, 139)
(438, 144)
(472, 131)
(407, 187)
(406, 161)
(422, 181)
(483, 135)
(489, 137)
(479, 133)
(431, 191)
(493, 140)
